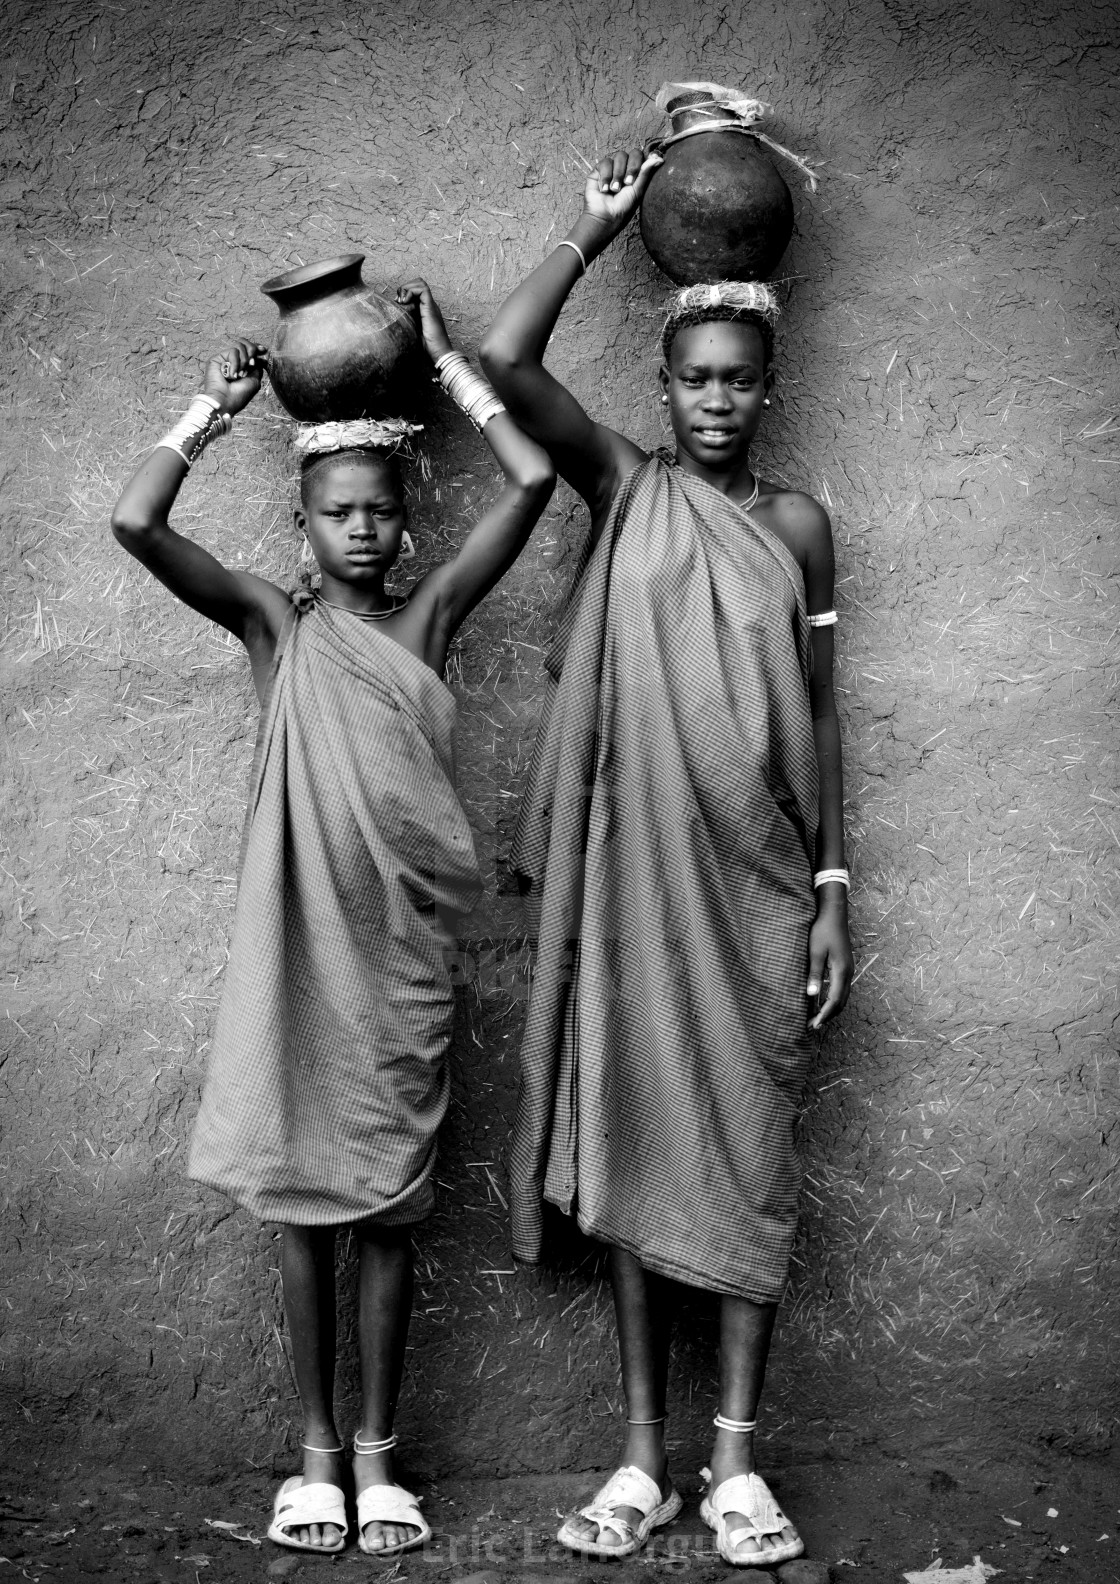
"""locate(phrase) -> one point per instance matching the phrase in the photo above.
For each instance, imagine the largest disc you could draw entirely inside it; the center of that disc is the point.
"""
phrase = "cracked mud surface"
(947, 387)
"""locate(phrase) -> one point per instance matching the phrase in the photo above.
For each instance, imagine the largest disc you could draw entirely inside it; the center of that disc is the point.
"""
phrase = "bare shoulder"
(622, 457)
(625, 454)
(799, 517)
(802, 524)
(268, 599)
(266, 608)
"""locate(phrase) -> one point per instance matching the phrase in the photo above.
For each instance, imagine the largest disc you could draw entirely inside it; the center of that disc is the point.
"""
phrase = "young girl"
(686, 786)
(328, 1075)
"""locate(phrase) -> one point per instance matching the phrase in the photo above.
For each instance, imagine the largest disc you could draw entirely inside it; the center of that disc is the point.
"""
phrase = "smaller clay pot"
(341, 349)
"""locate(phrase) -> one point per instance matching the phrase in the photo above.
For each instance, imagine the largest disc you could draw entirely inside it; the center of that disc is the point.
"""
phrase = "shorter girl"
(328, 1074)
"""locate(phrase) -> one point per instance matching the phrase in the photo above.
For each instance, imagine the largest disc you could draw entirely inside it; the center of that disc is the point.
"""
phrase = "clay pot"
(716, 209)
(340, 348)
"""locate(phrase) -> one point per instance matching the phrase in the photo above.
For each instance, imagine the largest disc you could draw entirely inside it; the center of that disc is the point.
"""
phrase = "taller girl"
(682, 834)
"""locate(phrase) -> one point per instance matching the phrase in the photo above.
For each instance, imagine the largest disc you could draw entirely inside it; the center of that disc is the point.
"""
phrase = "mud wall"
(947, 386)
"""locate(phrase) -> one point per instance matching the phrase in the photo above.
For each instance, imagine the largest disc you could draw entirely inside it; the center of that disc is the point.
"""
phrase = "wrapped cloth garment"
(666, 838)
(328, 1075)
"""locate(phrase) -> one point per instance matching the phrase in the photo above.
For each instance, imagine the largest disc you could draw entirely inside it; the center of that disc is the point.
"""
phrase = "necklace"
(399, 601)
(669, 458)
(747, 504)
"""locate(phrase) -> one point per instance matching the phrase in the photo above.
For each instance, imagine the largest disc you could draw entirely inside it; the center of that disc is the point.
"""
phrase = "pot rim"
(311, 272)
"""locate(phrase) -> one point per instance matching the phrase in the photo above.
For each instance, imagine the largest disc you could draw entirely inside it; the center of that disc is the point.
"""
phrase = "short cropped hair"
(316, 465)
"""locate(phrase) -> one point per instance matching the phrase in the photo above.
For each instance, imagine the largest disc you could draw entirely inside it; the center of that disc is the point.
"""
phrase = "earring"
(408, 549)
(306, 553)
(664, 400)
(766, 401)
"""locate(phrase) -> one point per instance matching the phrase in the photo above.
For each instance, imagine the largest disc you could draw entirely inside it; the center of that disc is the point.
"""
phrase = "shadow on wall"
(945, 387)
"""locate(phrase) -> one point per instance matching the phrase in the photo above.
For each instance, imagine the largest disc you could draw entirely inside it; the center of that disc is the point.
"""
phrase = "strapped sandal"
(749, 1495)
(627, 1487)
(388, 1504)
(299, 1505)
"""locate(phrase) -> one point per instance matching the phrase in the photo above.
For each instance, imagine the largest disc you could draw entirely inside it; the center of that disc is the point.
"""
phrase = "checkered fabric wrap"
(667, 835)
(328, 1075)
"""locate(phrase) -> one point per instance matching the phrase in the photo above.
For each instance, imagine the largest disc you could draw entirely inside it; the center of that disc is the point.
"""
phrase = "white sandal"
(299, 1505)
(388, 1504)
(627, 1487)
(750, 1495)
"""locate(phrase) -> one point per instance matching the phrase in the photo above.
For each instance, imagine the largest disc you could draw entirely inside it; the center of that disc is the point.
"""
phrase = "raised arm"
(590, 456)
(499, 536)
(251, 608)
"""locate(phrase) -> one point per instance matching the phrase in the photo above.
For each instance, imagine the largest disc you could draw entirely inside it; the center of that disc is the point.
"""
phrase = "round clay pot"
(340, 348)
(716, 209)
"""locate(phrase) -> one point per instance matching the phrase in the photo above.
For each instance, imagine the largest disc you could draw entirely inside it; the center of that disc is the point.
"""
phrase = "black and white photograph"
(559, 792)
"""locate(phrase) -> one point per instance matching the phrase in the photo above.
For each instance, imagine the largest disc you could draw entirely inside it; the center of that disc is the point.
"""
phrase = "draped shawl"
(328, 1077)
(666, 841)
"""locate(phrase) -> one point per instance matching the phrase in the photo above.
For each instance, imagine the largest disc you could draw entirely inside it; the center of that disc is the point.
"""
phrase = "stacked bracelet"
(823, 876)
(202, 422)
(468, 390)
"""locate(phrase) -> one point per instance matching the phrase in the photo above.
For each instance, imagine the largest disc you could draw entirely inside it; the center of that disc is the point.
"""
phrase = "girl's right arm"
(251, 608)
(593, 458)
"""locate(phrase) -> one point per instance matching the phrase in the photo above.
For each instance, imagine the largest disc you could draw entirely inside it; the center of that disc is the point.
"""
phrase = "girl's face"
(716, 383)
(353, 516)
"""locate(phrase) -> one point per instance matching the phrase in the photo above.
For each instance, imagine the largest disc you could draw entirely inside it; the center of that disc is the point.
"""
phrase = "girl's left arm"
(502, 532)
(499, 536)
(830, 949)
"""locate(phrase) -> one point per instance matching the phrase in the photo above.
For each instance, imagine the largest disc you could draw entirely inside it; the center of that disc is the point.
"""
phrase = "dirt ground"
(947, 1359)
(865, 1522)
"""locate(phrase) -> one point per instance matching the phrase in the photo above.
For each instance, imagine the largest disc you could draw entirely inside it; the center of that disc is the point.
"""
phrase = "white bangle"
(824, 619)
(202, 422)
(468, 390)
(823, 876)
(577, 250)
